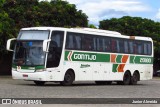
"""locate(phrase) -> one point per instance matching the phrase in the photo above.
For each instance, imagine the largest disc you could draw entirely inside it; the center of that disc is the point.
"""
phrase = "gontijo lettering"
(84, 56)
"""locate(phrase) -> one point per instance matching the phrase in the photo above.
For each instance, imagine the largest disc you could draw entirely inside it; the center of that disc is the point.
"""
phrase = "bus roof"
(69, 29)
(90, 30)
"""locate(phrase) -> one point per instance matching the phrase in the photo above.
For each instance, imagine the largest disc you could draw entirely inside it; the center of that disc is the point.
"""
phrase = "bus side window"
(100, 44)
(73, 41)
(77, 40)
(146, 48)
(120, 45)
(107, 45)
(134, 48)
(126, 50)
(131, 47)
(140, 47)
(114, 45)
(69, 41)
(86, 44)
(89, 43)
(149, 48)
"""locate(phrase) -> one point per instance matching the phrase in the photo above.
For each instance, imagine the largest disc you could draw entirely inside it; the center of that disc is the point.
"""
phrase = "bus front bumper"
(35, 76)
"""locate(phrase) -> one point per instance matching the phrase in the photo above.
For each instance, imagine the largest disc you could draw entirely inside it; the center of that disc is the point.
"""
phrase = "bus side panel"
(81, 73)
(109, 75)
(145, 70)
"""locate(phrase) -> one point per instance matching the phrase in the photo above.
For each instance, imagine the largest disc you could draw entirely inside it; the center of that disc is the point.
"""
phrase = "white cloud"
(158, 14)
(101, 9)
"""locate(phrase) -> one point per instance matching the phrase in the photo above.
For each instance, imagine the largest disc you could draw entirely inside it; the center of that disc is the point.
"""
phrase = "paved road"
(10, 88)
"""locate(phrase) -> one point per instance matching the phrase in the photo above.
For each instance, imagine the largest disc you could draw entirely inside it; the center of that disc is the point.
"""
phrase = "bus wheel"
(68, 79)
(39, 83)
(134, 78)
(126, 79)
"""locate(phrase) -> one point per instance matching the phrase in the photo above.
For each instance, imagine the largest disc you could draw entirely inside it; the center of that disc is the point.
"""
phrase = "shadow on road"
(50, 84)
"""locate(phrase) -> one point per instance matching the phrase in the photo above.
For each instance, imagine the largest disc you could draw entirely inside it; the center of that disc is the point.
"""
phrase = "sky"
(98, 10)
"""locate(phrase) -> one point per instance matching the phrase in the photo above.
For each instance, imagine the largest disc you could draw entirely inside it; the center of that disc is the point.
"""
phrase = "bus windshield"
(33, 34)
(29, 53)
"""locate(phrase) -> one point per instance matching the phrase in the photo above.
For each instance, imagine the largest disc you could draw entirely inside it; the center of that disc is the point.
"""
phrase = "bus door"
(55, 51)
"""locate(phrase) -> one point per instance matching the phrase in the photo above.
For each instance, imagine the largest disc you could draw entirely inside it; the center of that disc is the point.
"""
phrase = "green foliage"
(92, 26)
(135, 26)
(17, 14)
(5, 28)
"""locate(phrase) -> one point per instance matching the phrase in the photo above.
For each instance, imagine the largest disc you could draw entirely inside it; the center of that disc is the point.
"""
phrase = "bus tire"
(126, 79)
(68, 78)
(134, 78)
(39, 83)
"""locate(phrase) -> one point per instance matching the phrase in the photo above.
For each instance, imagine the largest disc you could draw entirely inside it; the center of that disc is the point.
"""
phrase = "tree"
(92, 26)
(17, 14)
(5, 29)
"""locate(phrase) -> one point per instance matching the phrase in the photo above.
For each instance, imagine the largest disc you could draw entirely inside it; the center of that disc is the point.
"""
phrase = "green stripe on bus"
(103, 58)
(66, 55)
(29, 67)
(114, 68)
(118, 59)
(131, 59)
(142, 60)
(39, 67)
(98, 57)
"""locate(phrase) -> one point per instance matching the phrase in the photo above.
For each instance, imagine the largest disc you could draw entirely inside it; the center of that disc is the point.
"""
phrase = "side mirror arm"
(45, 42)
(9, 44)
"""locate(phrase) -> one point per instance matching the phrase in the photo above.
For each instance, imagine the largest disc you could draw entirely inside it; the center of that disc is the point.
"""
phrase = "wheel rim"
(126, 79)
(67, 77)
(135, 78)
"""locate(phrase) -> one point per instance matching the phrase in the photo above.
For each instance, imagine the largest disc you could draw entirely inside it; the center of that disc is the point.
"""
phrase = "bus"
(65, 55)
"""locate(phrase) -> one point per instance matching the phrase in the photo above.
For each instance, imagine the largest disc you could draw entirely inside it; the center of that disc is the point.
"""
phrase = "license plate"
(25, 75)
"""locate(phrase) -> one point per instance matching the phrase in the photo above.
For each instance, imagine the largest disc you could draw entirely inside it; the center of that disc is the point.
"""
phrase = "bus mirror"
(45, 43)
(9, 41)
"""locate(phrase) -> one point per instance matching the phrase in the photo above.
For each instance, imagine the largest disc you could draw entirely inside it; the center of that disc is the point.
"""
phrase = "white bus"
(65, 55)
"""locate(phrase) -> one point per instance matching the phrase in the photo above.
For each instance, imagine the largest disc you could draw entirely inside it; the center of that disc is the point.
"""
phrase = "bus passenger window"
(135, 48)
(131, 47)
(69, 41)
(100, 44)
(77, 42)
(120, 46)
(114, 45)
(88, 43)
(139, 47)
(126, 47)
(107, 45)
(149, 48)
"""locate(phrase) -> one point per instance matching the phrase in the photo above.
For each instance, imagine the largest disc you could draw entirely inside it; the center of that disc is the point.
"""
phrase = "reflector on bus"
(132, 37)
